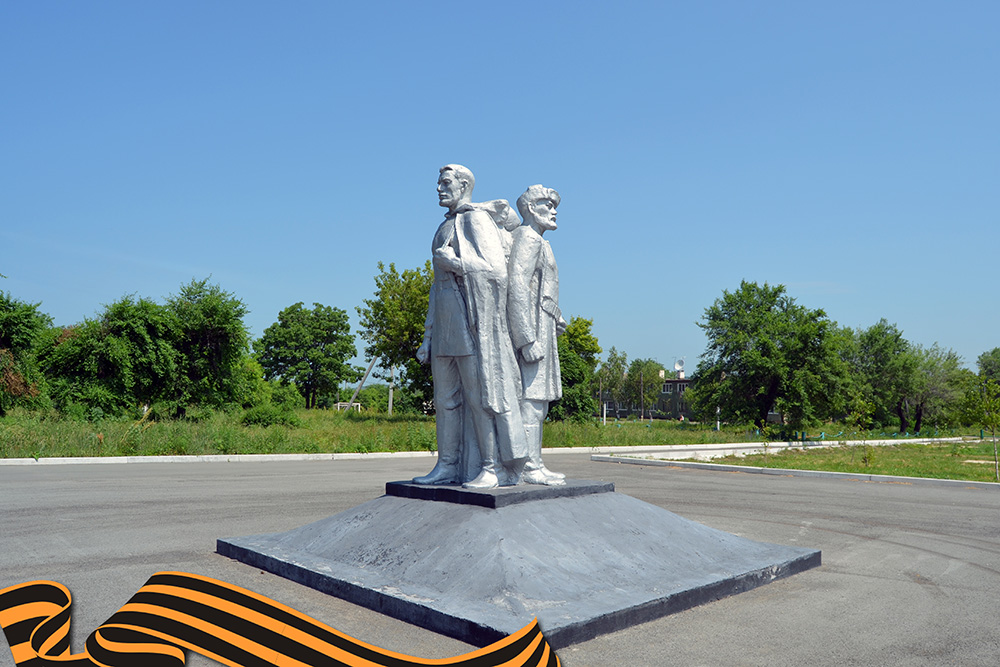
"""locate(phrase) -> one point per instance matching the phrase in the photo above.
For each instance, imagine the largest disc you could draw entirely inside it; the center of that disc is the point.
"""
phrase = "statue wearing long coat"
(533, 311)
(468, 317)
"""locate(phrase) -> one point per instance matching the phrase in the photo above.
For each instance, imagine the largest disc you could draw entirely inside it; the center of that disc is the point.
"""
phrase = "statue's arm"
(445, 259)
(523, 261)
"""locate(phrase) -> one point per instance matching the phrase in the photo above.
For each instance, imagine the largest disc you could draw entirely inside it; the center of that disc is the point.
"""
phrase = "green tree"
(309, 349)
(21, 326)
(578, 352)
(643, 384)
(213, 345)
(885, 366)
(982, 407)
(611, 376)
(766, 353)
(392, 323)
(936, 388)
(989, 364)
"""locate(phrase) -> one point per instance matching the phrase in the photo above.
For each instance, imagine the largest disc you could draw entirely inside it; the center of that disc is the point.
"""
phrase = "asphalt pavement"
(910, 574)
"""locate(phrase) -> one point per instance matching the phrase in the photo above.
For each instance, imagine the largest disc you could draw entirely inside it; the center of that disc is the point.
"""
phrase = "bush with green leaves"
(269, 414)
(120, 361)
(212, 343)
(21, 381)
(285, 394)
(191, 351)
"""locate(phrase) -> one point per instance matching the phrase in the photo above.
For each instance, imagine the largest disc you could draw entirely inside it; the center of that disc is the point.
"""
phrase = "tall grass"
(27, 435)
(631, 433)
(34, 435)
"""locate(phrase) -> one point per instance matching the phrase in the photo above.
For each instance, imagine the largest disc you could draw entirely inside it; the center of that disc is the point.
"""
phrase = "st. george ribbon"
(175, 611)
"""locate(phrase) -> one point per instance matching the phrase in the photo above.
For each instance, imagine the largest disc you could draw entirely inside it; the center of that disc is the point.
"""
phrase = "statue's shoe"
(443, 473)
(539, 477)
(549, 473)
(487, 479)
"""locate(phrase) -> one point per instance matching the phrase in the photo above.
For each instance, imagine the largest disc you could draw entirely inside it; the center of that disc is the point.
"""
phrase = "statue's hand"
(445, 259)
(424, 352)
(561, 327)
(533, 353)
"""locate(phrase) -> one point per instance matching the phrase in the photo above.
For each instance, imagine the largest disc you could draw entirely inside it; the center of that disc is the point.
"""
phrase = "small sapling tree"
(982, 406)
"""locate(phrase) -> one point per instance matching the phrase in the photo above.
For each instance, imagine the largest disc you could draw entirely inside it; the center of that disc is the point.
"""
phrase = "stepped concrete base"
(480, 565)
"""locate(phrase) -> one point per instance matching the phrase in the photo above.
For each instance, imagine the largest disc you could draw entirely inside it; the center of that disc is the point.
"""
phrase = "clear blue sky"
(848, 150)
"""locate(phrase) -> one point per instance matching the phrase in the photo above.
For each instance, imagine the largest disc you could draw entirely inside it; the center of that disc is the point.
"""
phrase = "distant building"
(671, 403)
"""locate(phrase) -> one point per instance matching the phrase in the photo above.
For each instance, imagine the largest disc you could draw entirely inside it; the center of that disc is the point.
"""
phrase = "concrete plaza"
(910, 574)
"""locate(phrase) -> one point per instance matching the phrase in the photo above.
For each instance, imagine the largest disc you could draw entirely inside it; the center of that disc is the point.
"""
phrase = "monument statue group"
(594, 561)
(490, 335)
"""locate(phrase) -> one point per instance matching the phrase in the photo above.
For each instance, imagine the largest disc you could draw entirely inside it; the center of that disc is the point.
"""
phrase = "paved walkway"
(910, 574)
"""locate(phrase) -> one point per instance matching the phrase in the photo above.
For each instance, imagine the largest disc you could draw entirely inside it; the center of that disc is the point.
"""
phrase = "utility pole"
(642, 398)
(362, 383)
(604, 406)
(392, 381)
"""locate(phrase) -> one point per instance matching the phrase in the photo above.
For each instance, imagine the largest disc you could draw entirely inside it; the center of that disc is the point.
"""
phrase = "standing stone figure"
(467, 343)
(535, 321)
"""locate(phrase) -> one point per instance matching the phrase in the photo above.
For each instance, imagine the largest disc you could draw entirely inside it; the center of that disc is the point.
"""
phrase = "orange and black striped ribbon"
(174, 612)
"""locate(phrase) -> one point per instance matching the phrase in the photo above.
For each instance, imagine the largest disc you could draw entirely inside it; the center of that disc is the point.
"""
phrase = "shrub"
(286, 395)
(270, 415)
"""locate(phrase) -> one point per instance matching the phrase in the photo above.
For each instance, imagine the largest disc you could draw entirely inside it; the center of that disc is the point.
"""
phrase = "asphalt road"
(910, 574)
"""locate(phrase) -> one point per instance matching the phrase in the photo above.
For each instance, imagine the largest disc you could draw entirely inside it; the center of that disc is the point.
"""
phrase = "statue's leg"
(533, 413)
(468, 454)
(483, 423)
(449, 410)
(512, 446)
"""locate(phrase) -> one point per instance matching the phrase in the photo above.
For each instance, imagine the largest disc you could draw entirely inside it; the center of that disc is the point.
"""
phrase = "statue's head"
(455, 184)
(538, 207)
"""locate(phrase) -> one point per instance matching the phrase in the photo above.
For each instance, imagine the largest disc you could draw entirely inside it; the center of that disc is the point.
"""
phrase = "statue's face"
(544, 211)
(450, 190)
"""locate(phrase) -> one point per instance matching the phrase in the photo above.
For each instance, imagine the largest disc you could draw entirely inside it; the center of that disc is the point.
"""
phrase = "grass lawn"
(31, 435)
(969, 460)
(25, 436)
(28, 435)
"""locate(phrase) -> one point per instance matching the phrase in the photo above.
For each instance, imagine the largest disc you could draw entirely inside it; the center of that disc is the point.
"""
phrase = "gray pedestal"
(479, 565)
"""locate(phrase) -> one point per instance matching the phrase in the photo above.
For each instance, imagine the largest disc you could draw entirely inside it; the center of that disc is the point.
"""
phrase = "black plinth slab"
(583, 565)
(499, 497)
